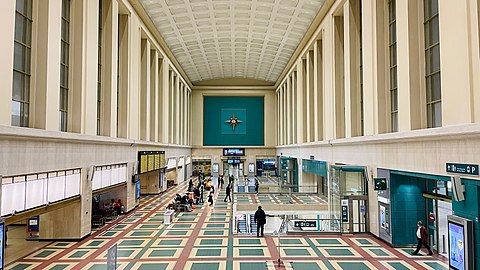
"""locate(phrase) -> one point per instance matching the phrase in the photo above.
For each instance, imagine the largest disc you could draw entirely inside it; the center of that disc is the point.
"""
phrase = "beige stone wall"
(327, 71)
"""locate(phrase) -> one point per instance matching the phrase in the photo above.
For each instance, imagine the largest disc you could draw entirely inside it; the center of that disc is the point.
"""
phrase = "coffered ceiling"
(213, 39)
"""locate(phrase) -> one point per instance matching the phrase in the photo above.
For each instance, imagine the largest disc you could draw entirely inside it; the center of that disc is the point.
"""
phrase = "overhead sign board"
(305, 223)
(469, 169)
(234, 152)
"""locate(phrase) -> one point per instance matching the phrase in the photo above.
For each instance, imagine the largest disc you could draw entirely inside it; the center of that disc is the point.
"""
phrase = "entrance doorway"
(438, 204)
(357, 214)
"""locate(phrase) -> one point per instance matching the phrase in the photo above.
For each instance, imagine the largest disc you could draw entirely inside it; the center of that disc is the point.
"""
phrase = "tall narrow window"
(392, 45)
(99, 76)
(64, 64)
(21, 63)
(432, 64)
(362, 112)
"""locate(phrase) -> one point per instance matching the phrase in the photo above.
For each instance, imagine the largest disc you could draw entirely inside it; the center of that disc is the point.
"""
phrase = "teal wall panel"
(407, 206)
(250, 110)
(315, 167)
(470, 209)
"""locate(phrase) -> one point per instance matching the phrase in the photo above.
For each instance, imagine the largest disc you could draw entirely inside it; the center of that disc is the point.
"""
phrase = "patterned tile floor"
(201, 240)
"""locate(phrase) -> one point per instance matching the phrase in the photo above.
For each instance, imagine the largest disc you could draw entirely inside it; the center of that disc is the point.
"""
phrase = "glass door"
(358, 214)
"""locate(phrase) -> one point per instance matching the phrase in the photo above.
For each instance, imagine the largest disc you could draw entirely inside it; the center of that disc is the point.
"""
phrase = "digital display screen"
(234, 152)
(456, 244)
(2, 244)
(138, 189)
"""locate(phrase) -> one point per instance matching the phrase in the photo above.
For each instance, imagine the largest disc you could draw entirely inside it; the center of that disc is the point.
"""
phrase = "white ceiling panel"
(213, 39)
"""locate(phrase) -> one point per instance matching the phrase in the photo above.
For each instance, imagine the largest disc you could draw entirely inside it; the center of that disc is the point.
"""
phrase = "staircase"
(242, 225)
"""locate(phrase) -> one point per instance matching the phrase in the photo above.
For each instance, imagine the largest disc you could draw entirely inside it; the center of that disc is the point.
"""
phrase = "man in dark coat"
(227, 191)
(260, 219)
(422, 237)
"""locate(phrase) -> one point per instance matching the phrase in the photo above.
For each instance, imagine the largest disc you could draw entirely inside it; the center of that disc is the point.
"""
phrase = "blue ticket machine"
(2, 244)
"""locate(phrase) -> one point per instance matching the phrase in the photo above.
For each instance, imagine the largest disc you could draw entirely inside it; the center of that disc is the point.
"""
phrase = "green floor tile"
(251, 252)
(216, 219)
(108, 233)
(327, 241)
(211, 242)
(436, 265)
(166, 242)
(296, 252)
(78, 254)
(305, 266)
(364, 242)
(125, 253)
(21, 266)
(181, 226)
(353, 266)
(208, 252)
(339, 252)
(249, 241)
(162, 253)
(378, 252)
(59, 267)
(44, 254)
(150, 226)
(177, 233)
(216, 225)
(142, 233)
(290, 241)
(398, 266)
(205, 266)
(153, 266)
(95, 243)
(131, 243)
(253, 266)
(213, 232)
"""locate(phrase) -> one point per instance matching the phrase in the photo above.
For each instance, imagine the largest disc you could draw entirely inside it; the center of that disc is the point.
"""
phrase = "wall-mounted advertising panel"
(150, 161)
(234, 152)
(460, 243)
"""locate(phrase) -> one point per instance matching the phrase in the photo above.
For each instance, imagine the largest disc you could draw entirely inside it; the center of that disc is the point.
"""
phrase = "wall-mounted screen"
(251, 168)
(457, 246)
(2, 244)
(215, 167)
(234, 152)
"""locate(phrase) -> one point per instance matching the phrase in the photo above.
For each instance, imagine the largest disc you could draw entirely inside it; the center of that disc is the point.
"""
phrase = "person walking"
(260, 219)
(422, 237)
(227, 195)
(257, 185)
(210, 198)
(220, 182)
(201, 194)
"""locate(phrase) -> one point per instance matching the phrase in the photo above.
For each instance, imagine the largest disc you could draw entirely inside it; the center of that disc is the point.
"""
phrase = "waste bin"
(168, 217)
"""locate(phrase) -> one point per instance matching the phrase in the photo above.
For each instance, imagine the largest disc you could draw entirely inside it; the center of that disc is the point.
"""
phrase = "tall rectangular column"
(7, 32)
(46, 94)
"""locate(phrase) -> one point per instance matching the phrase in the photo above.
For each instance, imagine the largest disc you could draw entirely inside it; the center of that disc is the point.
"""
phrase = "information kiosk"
(460, 243)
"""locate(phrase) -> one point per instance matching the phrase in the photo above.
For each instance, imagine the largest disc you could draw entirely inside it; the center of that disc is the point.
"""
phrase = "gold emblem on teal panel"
(233, 121)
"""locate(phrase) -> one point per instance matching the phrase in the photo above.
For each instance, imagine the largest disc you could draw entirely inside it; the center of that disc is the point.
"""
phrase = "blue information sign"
(469, 169)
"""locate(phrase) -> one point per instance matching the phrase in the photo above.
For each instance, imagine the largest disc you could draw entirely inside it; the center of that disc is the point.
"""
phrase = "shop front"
(202, 166)
(266, 167)
(410, 197)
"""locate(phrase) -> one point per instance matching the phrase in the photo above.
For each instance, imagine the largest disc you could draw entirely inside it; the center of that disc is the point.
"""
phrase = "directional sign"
(112, 258)
(469, 169)
(305, 223)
